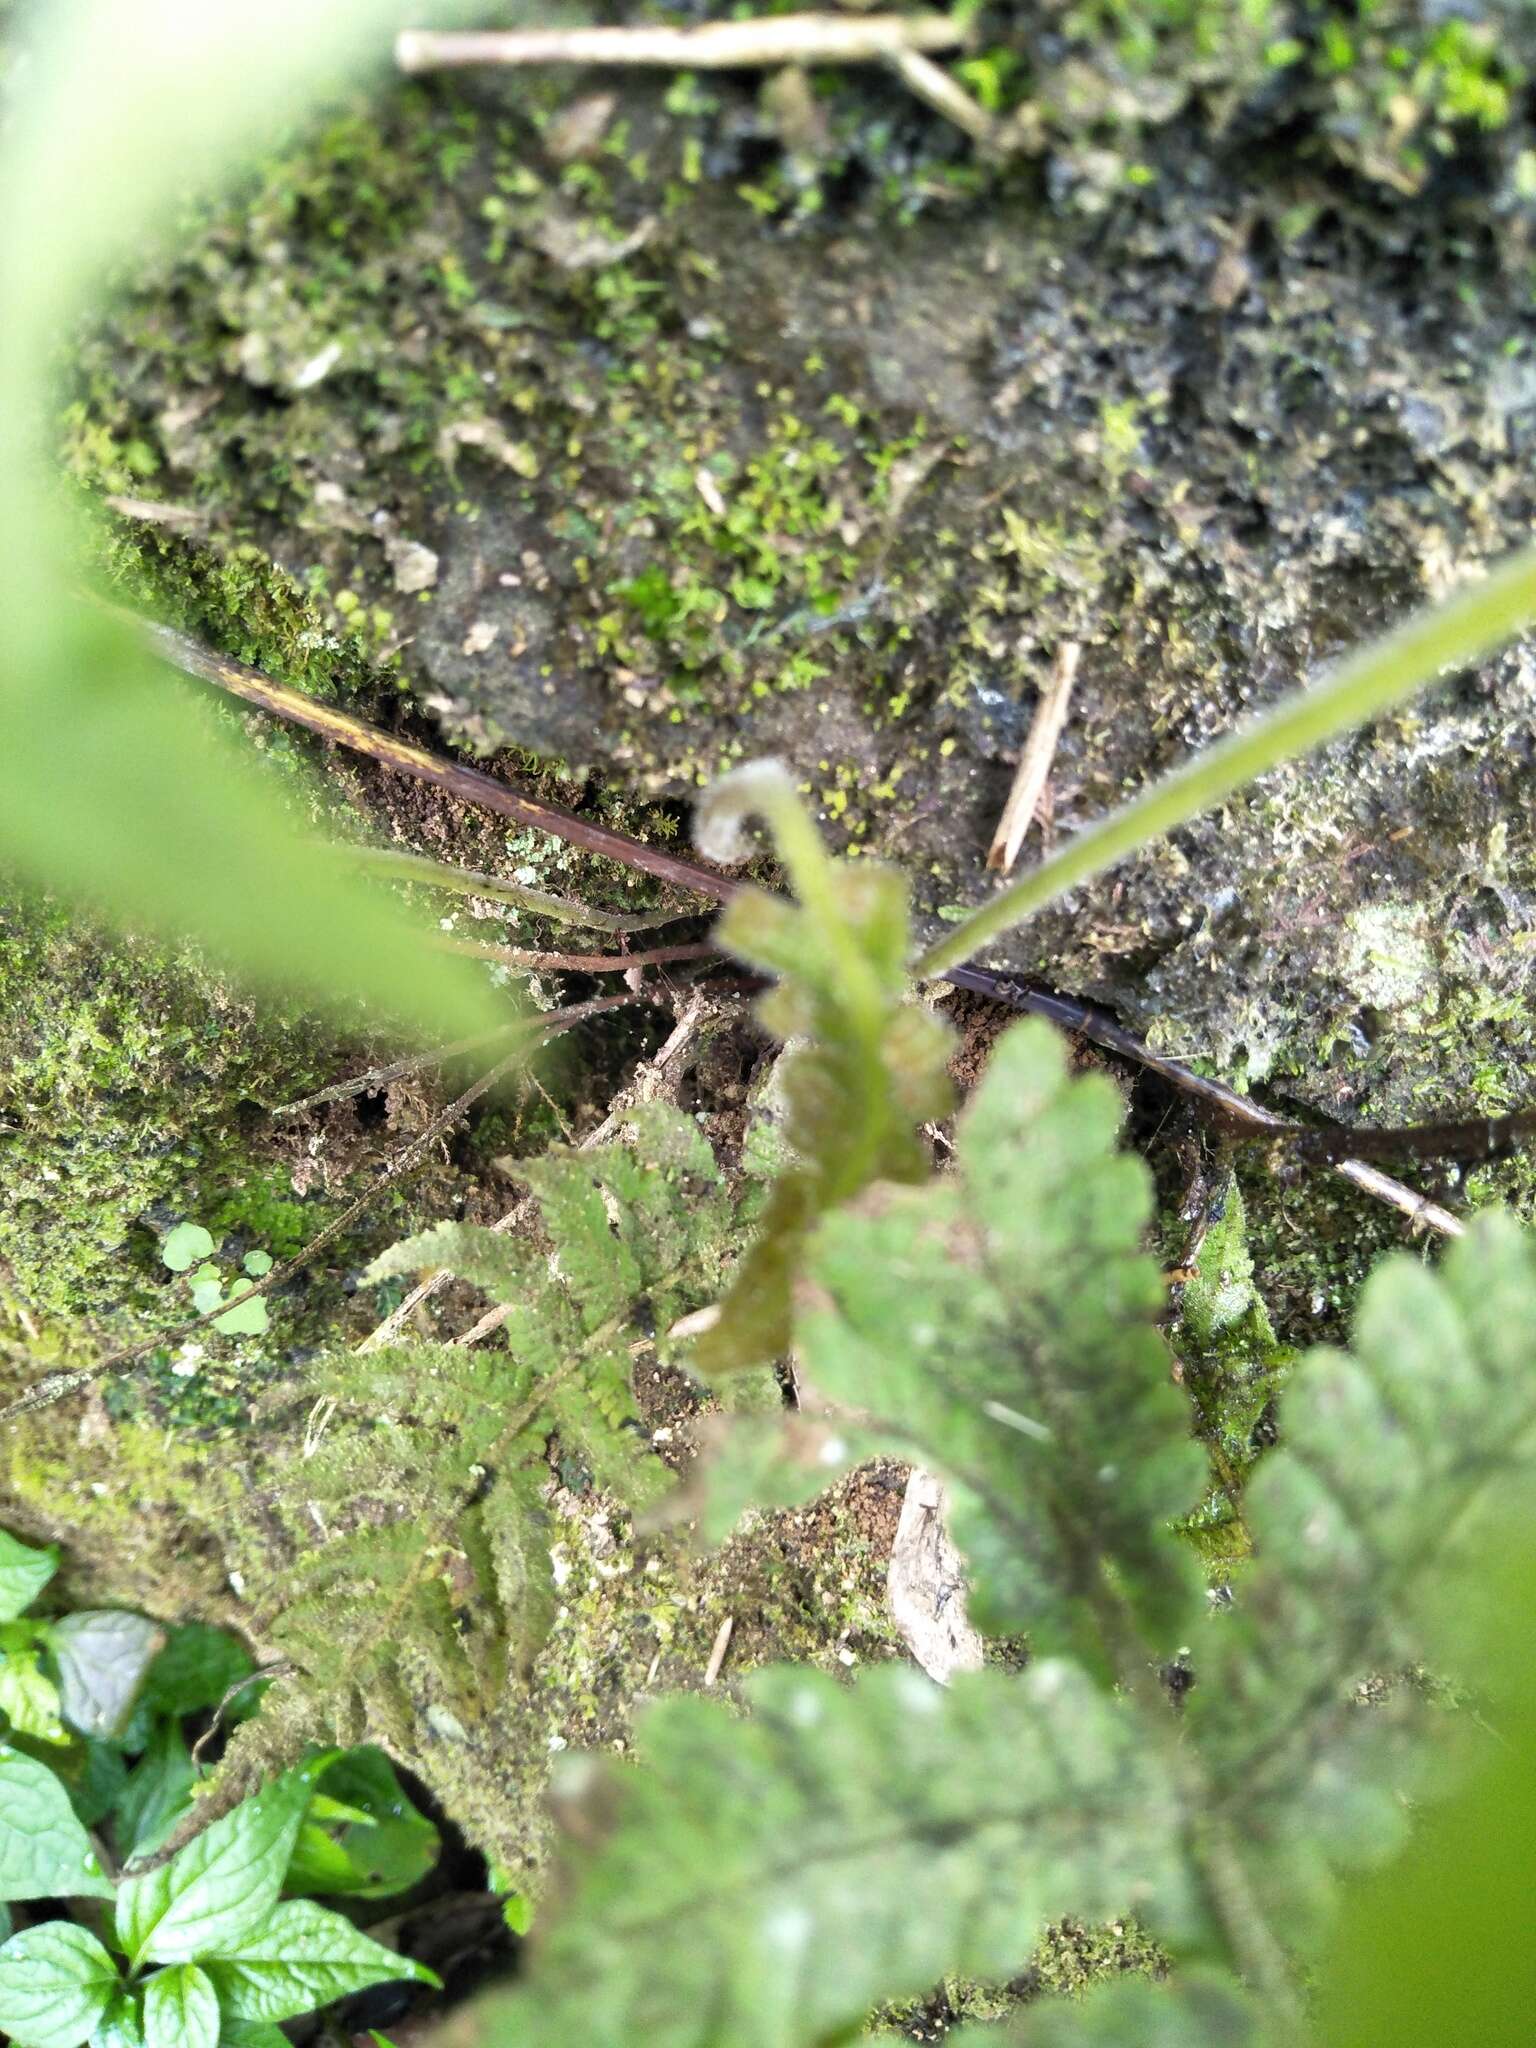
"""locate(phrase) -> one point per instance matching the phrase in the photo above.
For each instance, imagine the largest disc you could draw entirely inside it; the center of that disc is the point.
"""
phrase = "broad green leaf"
(245, 1319)
(1196, 2010)
(181, 2009)
(299, 1959)
(122, 2025)
(1371, 1524)
(102, 1658)
(222, 1885)
(24, 1571)
(997, 1326)
(185, 1245)
(152, 813)
(196, 1668)
(44, 1851)
(156, 1795)
(252, 2034)
(767, 1880)
(29, 1699)
(94, 1775)
(56, 1982)
(392, 1849)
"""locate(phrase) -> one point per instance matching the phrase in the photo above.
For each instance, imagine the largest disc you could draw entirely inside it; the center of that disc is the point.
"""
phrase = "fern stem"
(1255, 1953)
(1362, 686)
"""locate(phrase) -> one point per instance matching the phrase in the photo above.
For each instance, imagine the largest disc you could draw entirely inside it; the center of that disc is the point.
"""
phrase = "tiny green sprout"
(190, 1242)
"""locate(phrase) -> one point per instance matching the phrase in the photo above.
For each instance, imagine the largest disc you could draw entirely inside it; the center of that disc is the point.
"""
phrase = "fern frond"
(1372, 1524)
(769, 1880)
(867, 1066)
(996, 1327)
(422, 1514)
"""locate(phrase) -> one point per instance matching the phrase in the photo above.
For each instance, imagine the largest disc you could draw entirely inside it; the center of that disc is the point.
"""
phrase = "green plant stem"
(1362, 686)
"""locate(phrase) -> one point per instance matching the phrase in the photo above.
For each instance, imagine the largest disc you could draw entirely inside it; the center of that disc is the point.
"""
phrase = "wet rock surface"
(622, 467)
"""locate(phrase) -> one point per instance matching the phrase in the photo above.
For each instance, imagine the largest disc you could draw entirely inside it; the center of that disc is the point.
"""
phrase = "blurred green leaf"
(389, 1846)
(156, 1794)
(29, 1699)
(115, 789)
(102, 1656)
(184, 1245)
(1438, 1947)
(24, 1572)
(196, 1669)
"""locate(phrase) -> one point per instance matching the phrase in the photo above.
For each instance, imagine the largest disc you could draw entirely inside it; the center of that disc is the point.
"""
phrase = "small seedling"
(187, 1249)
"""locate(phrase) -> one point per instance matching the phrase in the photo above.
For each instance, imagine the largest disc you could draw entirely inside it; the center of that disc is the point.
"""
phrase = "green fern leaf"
(1373, 1526)
(768, 1880)
(428, 1491)
(996, 1325)
(867, 1066)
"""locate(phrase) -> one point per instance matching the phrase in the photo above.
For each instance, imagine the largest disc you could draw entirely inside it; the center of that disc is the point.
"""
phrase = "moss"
(1234, 1369)
(1070, 1960)
(125, 1077)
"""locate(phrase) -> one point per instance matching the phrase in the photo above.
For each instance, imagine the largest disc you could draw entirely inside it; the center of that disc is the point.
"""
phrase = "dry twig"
(704, 46)
(528, 962)
(717, 1652)
(934, 86)
(434, 874)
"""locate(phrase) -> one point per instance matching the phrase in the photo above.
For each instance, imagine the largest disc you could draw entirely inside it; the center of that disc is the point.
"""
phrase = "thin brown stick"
(1238, 1112)
(705, 46)
(934, 86)
(579, 963)
(380, 1077)
(471, 784)
(718, 1649)
(1035, 761)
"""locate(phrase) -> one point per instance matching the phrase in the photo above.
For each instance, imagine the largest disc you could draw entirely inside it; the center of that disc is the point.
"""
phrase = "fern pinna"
(427, 1490)
(769, 1879)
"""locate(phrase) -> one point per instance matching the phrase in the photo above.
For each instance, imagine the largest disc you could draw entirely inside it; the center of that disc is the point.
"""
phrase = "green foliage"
(872, 1066)
(44, 1851)
(231, 1955)
(772, 1878)
(115, 792)
(1233, 1367)
(430, 1480)
(1437, 1948)
(362, 1837)
(1389, 88)
(86, 1669)
(996, 1326)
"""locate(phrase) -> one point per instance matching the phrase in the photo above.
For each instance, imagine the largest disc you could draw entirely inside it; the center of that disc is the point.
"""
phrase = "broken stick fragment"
(1035, 761)
(706, 46)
